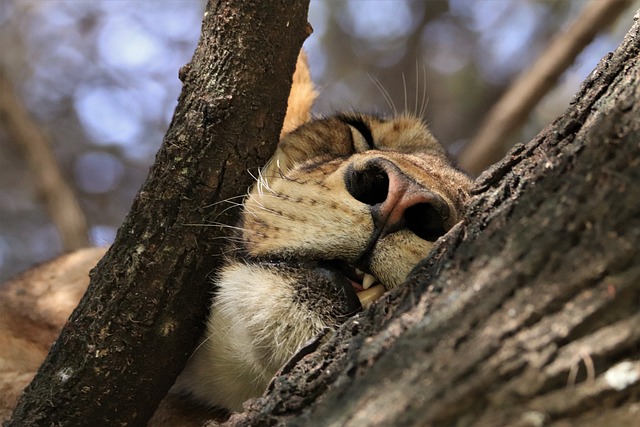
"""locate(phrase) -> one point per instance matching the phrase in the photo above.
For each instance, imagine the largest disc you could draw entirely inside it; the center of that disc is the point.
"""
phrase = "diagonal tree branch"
(132, 332)
(524, 314)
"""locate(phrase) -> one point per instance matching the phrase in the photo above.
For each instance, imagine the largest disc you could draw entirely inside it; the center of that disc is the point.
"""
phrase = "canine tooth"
(368, 280)
(358, 271)
(370, 295)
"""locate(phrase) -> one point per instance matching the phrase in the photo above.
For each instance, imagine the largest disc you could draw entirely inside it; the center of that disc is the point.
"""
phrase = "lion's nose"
(397, 201)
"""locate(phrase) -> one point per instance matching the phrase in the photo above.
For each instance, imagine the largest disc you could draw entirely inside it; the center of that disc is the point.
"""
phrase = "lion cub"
(343, 211)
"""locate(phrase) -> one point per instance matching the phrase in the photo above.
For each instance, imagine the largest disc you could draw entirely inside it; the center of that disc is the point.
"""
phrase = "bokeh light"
(101, 78)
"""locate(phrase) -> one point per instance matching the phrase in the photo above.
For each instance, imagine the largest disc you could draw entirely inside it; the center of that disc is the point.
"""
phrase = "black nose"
(397, 202)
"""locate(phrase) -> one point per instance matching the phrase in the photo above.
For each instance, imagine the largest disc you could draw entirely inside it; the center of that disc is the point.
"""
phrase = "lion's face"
(343, 211)
(364, 196)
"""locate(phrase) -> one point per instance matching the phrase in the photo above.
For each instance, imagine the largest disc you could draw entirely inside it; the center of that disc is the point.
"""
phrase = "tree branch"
(150, 292)
(492, 139)
(58, 196)
(526, 313)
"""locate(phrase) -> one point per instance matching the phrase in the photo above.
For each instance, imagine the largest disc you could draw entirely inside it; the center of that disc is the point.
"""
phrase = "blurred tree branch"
(513, 108)
(57, 194)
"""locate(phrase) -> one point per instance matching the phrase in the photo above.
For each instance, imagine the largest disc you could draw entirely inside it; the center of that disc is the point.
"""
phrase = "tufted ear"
(301, 97)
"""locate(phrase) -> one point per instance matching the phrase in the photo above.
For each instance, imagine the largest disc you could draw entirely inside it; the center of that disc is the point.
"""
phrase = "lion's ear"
(301, 97)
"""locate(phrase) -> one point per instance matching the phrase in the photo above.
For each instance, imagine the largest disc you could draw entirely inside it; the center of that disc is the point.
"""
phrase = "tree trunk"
(130, 336)
(528, 313)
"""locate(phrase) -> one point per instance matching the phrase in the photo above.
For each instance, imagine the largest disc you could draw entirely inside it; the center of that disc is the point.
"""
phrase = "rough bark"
(525, 314)
(130, 336)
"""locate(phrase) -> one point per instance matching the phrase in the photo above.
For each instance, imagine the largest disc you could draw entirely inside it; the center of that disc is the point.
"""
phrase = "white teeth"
(370, 295)
(368, 280)
(358, 271)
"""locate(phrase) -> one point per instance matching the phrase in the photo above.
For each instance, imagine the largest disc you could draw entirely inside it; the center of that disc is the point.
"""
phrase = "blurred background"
(100, 80)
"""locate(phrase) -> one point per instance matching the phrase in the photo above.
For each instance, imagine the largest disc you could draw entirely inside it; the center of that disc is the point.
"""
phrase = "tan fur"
(311, 218)
(301, 97)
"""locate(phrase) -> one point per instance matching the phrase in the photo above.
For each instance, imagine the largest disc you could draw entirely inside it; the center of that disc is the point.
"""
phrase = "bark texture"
(526, 314)
(130, 336)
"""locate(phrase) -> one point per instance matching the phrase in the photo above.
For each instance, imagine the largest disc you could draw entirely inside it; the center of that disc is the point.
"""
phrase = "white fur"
(254, 328)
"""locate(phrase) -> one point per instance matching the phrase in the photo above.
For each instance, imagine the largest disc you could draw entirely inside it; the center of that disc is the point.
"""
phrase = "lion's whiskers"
(385, 94)
(421, 100)
(228, 200)
(262, 183)
(424, 99)
(219, 224)
(260, 205)
(236, 205)
(404, 91)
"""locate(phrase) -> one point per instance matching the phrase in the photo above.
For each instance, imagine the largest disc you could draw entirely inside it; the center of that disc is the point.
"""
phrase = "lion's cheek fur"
(310, 222)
